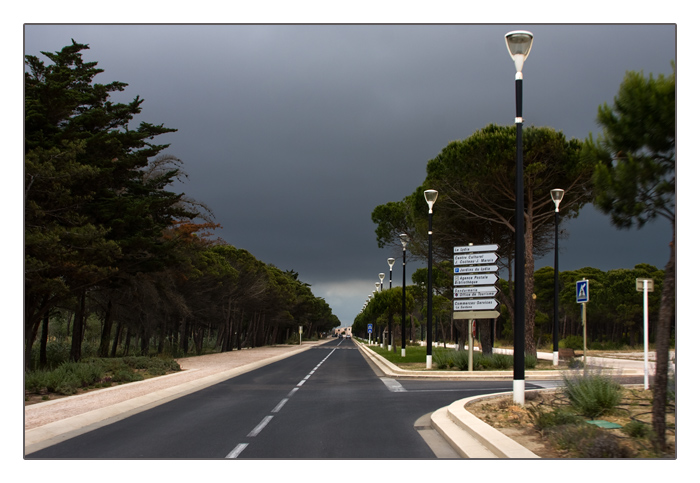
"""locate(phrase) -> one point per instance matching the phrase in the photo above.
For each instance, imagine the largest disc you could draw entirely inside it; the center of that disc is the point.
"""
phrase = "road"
(326, 402)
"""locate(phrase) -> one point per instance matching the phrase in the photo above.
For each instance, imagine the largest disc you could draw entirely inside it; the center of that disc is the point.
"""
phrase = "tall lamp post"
(390, 261)
(430, 198)
(404, 241)
(519, 43)
(557, 196)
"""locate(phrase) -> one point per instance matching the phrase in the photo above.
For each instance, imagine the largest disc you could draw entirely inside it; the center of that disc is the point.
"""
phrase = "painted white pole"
(646, 335)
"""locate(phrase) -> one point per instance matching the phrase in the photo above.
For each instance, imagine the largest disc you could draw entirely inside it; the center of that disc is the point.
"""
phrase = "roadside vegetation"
(69, 377)
(592, 417)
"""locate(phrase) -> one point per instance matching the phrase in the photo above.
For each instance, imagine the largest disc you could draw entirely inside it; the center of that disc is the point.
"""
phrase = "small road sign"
(477, 269)
(475, 304)
(471, 292)
(476, 279)
(640, 284)
(582, 294)
(369, 328)
(476, 248)
(476, 258)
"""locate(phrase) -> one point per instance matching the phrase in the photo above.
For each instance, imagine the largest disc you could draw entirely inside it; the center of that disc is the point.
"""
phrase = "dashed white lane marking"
(260, 426)
(279, 406)
(240, 447)
(237, 450)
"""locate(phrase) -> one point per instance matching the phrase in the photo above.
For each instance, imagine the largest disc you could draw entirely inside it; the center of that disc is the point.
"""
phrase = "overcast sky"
(293, 134)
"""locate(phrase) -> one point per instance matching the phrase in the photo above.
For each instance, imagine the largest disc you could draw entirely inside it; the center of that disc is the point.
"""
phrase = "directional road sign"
(475, 258)
(476, 314)
(477, 269)
(582, 291)
(369, 328)
(475, 304)
(476, 248)
(470, 292)
(476, 279)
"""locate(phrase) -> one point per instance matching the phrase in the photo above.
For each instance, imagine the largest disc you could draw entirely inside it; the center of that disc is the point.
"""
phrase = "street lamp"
(404, 242)
(519, 43)
(557, 196)
(381, 279)
(390, 261)
(430, 198)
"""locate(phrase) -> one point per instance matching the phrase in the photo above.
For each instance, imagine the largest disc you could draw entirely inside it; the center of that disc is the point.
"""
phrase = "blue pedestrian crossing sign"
(369, 328)
(582, 291)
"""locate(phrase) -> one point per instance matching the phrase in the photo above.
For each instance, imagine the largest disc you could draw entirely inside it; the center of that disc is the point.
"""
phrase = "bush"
(592, 394)
(542, 419)
(605, 445)
(572, 342)
(637, 429)
(444, 359)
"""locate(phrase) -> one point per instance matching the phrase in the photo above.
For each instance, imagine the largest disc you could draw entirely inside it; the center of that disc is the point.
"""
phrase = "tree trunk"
(43, 358)
(485, 336)
(666, 314)
(77, 337)
(106, 331)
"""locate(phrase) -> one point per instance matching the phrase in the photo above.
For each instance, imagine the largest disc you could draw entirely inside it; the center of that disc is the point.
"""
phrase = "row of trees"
(105, 238)
(614, 313)
(628, 173)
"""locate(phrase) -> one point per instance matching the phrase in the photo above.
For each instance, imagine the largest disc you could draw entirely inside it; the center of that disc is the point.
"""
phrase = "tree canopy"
(105, 237)
(635, 181)
(475, 179)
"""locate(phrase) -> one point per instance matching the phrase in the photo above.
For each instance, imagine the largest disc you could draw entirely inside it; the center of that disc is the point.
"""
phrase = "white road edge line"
(260, 426)
(237, 451)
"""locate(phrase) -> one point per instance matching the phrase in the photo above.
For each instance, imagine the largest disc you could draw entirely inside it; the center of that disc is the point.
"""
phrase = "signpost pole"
(646, 334)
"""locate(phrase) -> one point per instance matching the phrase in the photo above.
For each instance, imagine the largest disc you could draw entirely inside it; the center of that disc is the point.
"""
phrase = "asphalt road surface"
(326, 402)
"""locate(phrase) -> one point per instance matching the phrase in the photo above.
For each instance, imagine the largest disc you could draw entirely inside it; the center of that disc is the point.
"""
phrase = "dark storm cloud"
(292, 134)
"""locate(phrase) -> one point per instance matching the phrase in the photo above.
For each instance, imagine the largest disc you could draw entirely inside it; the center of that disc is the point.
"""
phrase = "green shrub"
(444, 359)
(543, 419)
(605, 445)
(592, 394)
(637, 429)
(572, 342)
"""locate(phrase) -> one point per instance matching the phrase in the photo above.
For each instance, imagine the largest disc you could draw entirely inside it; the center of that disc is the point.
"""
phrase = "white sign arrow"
(477, 269)
(475, 258)
(476, 304)
(476, 248)
(468, 292)
(476, 279)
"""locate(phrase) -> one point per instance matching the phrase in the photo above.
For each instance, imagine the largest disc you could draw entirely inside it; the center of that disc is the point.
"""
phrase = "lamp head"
(519, 43)
(557, 196)
(404, 239)
(381, 277)
(390, 261)
(430, 198)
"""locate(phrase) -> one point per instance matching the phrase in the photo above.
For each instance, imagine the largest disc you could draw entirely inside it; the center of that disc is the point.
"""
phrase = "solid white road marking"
(393, 385)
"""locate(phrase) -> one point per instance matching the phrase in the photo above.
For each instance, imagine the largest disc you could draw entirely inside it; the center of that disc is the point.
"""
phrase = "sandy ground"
(194, 369)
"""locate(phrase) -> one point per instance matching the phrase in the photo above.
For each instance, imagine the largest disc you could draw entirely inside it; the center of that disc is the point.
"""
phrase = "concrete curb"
(467, 429)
